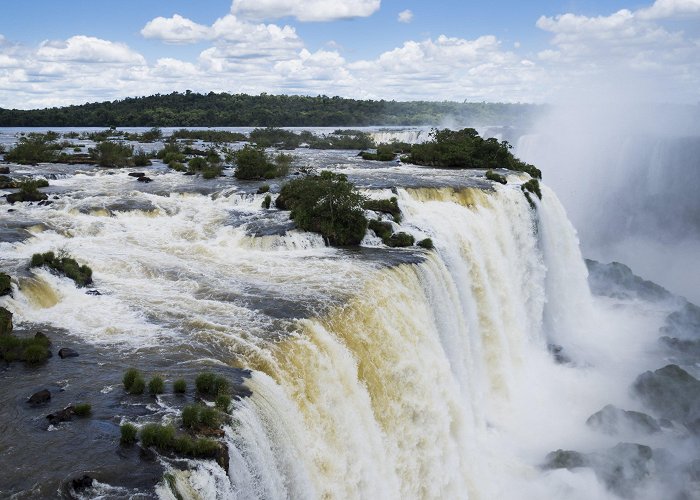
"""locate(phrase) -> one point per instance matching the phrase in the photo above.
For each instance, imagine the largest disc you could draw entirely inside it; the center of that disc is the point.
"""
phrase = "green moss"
(426, 243)
(65, 265)
(533, 186)
(156, 385)
(5, 284)
(128, 433)
(210, 384)
(179, 386)
(493, 176)
(83, 409)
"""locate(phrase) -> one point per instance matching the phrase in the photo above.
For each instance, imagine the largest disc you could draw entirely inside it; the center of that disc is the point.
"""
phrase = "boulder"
(612, 420)
(67, 352)
(5, 284)
(4, 170)
(39, 398)
(15, 197)
(564, 459)
(683, 323)
(670, 392)
(82, 483)
(93, 292)
(144, 179)
(136, 174)
(5, 321)
(63, 415)
(222, 457)
(618, 281)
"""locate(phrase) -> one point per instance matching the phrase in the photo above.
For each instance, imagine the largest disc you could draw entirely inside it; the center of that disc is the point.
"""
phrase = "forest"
(192, 109)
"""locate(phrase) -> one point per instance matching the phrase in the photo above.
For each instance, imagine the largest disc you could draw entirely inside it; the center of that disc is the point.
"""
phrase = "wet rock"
(5, 284)
(82, 483)
(63, 415)
(11, 210)
(240, 391)
(15, 197)
(7, 182)
(612, 420)
(39, 398)
(5, 321)
(670, 392)
(93, 292)
(222, 457)
(618, 281)
(684, 323)
(55, 197)
(4, 170)
(67, 352)
(690, 348)
(144, 179)
(136, 174)
(623, 467)
(557, 353)
(564, 459)
(45, 203)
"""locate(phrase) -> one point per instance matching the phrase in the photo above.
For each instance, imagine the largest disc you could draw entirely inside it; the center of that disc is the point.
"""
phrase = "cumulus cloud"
(662, 9)
(88, 49)
(176, 29)
(307, 10)
(405, 16)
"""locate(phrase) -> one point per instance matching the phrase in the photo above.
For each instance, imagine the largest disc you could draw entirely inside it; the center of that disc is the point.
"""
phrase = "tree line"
(241, 110)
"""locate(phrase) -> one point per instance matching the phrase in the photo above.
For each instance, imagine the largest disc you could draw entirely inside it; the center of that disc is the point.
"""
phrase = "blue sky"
(73, 51)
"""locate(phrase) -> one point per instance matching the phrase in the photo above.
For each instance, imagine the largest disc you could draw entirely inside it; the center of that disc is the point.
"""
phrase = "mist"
(628, 175)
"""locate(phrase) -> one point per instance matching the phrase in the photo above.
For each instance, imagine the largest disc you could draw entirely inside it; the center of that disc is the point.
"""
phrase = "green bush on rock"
(83, 409)
(179, 386)
(65, 265)
(400, 239)
(390, 206)
(156, 385)
(5, 284)
(128, 433)
(210, 384)
(426, 243)
(134, 382)
(493, 176)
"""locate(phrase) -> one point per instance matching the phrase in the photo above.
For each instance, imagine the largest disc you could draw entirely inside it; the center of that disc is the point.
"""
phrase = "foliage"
(112, 154)
(32, 350)
(209, 135)
(267, 201)
(160, 436)
(390, 206)
(156, 385)
(180, 386)
(465, 149)
(65, 265)
(200, 417)
(210, 384)
(382, 229)
(254, 163)
(163, 438)
(327, 204)
(83, 409)
(272, 136)
(426, 243)
(340, 139)
(141, 158)
(128, 433)
(385, 152)
(134, 382)
(5, 322)
(400, 239)
(263, 189)
(5, 284)
(28, 191)
(532, 186)
(223, 109)
(34, 148)
(493, 176)
(223, 402)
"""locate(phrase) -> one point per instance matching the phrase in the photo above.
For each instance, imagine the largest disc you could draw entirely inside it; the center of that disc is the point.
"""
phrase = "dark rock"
(189, 173)
(5, 284)
(4, 170)
(63, 415)
(82, 483)
(684, 323)
(623, 467)
(67, 352)
(144, 179)
(93, 292)
(136, 174)
(15, 197)
(618, 281)
(222, 457)
(564, 459)
(5, 321)
(690, 348)
(7, 182)
(11, 210)
(612, 420)
(41, 336)
(39, 398)
(557, 353)
(55, 197)
(240, 391)
(670, 392)
(45, 203)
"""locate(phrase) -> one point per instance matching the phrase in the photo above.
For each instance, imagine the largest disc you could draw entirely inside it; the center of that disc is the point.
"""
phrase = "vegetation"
(390, 207)
(426, 243)
(200, 417)
(128, 433)
(263, 189)
(156, 385)
(400, 239)
(493, 176)
(208, 135)
(531, 186)
(210, 384)
(385, 152)
(267, 201)
(64, 264)
(28, 191)
(34, 148)
(382, 229)
(164, 438)
(5, 284)
(141, 158)
(277, 137)
(465, 149)
(83, 409)
(112, 154)
(134, 382)
(327, 204)
(31, 350)
(254, 163)
(223, 402)
(180, 386)
(222, 109)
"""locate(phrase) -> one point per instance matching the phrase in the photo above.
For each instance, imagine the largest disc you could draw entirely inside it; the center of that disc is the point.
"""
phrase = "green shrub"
(128, 433)
(177, 166)
(156, 385)
(141, 158)
(5, 284)
(209, 135)
(223, 402)
(382, 229)
(34, 148)
(160, 436)
(211, 384)
(426, 243)
(253, 163)
(267, 201)
(327, 204)
(533, 186)
(65, 265)
(82, 410)
(197, 163)
(212, 171)
(138, 386)
(385, 152)
(112, 154)
(493, 176)
(129, 376)
(390, 206)
(200, 417)
(282, 163)
(263, 189)
(179, 386)
(400, 239)
(272, 136)
(190, 416)
(35, 353)
(195, 448)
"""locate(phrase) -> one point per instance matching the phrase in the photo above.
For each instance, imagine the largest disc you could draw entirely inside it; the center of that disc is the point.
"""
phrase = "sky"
(76, 51)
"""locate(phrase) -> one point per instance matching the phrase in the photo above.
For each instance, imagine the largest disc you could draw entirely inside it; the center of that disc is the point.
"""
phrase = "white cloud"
(88, 49)
(176, 29)
(305, 10)
(405, 16)
(670, 8)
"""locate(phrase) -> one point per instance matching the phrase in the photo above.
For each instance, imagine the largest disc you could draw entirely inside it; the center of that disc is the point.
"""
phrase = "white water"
(426, 380)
